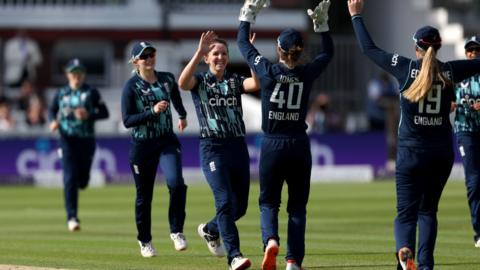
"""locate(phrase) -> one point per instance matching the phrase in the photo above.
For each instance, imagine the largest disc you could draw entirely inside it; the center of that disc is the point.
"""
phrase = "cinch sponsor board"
(23, 157)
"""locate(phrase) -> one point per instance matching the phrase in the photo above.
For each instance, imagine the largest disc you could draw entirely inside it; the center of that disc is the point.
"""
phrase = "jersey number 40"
(294, 95)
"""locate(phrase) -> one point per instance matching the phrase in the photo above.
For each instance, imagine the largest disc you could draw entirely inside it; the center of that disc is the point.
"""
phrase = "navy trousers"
(77, 158)
(469, 147)
(421, 175)
(226, 165)
(144, 158)
(285, 159)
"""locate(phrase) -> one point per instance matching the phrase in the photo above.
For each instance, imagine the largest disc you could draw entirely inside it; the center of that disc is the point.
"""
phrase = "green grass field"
(350, 226)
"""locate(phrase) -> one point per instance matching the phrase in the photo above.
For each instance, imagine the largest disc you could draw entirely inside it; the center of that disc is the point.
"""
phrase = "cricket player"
(285, 150)
(146, 110)
(425, 143)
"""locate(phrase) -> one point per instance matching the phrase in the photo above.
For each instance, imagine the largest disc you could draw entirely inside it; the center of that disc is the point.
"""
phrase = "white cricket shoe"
(270, 257)
(213, 241)
(179, 241)
(147, 250)
(240, 263)
(292, 265)
(405, 257)
(73, 225)
(477, 241)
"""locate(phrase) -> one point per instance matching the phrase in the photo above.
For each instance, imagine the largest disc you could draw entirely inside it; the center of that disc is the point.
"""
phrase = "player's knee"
(177, 188)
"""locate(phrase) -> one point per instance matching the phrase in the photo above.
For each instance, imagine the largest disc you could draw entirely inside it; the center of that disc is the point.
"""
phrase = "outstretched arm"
(390, 62)
(187, 80)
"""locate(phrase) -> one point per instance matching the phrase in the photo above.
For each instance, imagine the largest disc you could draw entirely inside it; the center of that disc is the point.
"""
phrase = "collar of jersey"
(211, 78)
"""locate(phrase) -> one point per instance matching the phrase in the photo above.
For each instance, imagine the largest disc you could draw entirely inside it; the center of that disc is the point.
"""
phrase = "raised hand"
(355, 7)
(319, 16)
(250, 9)
(206, 40)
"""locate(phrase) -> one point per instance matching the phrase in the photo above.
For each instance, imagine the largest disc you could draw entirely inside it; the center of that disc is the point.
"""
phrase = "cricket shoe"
(73, 225)
(270, 257)
(179, 241)
(477, 241)
(213, 241)
(240, 263)
(292, 265)
(406, 260)
(147, 250)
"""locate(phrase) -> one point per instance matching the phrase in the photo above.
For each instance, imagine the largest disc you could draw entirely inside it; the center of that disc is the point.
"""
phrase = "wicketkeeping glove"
(250, 9)
(320, 16)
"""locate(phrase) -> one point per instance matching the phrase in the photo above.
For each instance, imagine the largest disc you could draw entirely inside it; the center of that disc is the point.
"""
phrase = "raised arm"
(319, 18)
(390, 62)
(252, 84)
(248, 14)
(463, 69)
(187, 80)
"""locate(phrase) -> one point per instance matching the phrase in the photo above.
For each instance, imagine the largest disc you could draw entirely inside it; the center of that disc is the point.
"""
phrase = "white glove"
(248, 12)
(320, 16)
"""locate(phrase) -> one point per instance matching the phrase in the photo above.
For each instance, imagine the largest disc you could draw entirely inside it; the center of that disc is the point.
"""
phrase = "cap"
(473, 40)
(139, 48)
(289, 38)
(75, 65)
(428, 36)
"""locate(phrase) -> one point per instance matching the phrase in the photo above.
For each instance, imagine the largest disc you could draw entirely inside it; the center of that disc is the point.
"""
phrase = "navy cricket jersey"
(467, 93)
(285, 92)
(425, 123)
(67, 100)
(138, 99)
(219, 105)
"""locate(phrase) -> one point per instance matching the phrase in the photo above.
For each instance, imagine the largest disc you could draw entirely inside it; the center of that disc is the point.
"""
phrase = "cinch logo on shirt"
(221, 101)
(468, 100)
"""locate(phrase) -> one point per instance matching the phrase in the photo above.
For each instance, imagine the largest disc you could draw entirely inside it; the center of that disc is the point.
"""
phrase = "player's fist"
(355, 7)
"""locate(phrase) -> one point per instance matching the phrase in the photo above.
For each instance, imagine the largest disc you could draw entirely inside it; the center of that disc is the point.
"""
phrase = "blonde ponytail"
(424, 80)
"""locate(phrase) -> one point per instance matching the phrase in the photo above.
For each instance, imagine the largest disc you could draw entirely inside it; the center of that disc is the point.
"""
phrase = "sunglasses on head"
(147, 55)
(473, 49)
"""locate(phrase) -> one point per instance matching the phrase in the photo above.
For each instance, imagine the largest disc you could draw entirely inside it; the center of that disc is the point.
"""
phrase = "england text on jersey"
(428, 121)
(284, 116)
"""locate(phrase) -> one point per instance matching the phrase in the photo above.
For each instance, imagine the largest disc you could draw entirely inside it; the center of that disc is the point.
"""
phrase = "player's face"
(472, 52)
(217, 58)
(147, 60)
(75, 79)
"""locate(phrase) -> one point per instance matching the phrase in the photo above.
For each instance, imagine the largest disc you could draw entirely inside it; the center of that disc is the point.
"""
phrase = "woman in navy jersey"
(467, 130)
(73, 113)
(285, 150)
(223, 151)
(424, 151)
(147, 112)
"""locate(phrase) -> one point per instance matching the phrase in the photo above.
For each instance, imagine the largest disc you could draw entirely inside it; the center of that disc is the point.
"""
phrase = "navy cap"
(473, 40)
(74, 65)
(139, 48)
(428, 36)
(289, 39)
